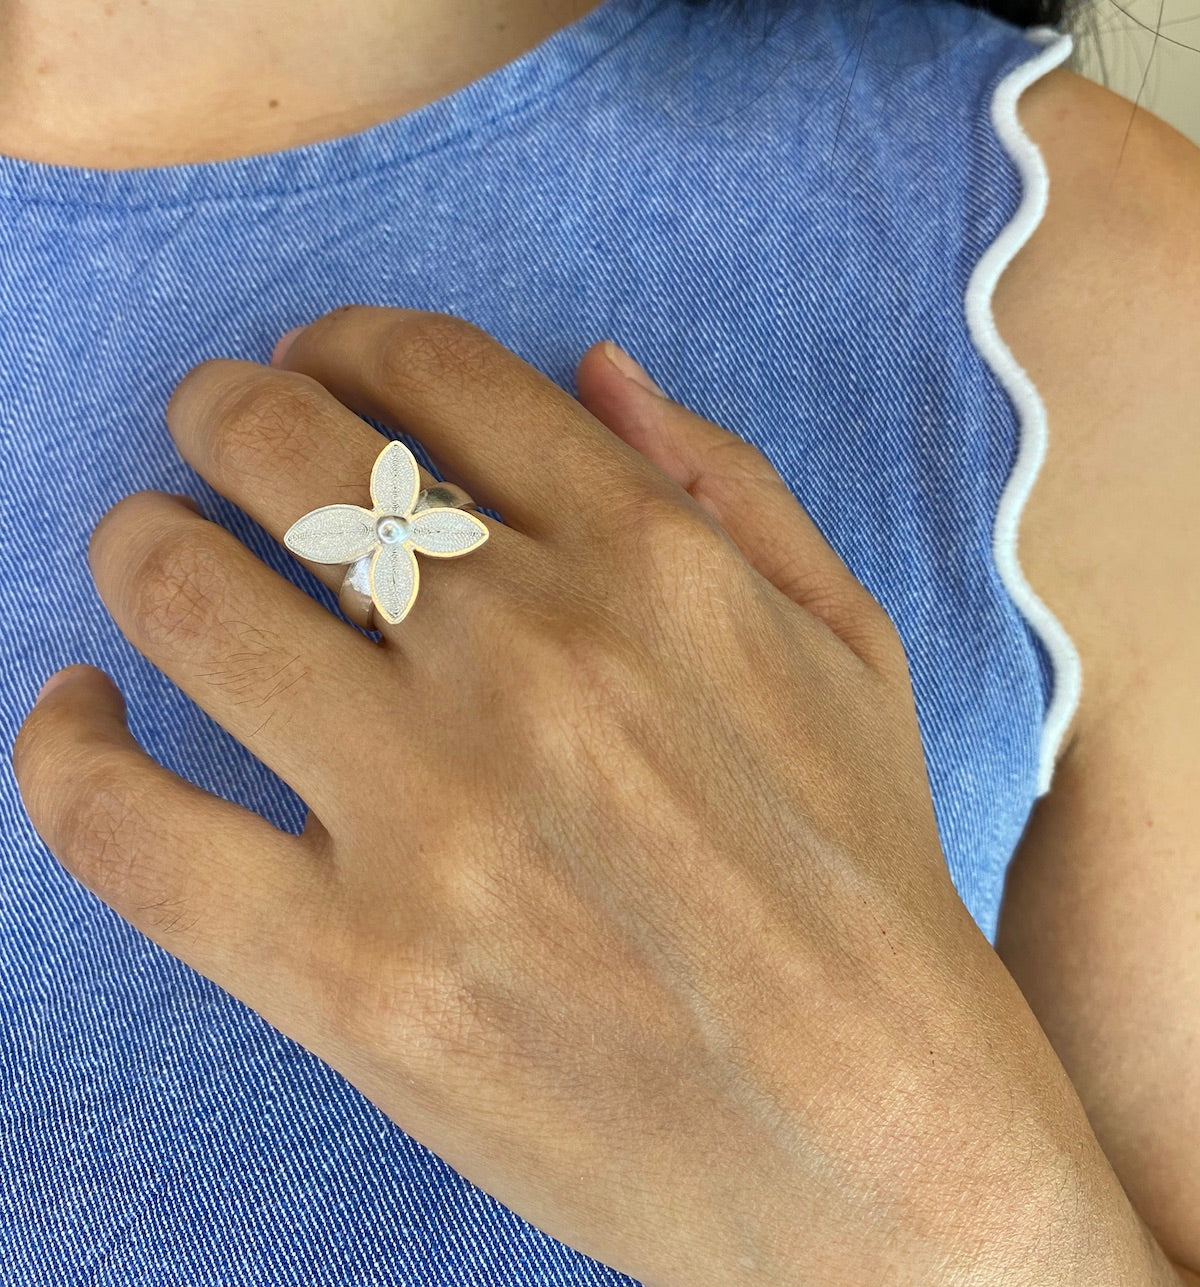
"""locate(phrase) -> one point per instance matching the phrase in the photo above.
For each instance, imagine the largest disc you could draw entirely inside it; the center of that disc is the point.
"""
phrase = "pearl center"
(392, 530)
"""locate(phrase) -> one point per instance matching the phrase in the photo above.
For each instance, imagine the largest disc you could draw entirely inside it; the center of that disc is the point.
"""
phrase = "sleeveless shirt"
(795, 221)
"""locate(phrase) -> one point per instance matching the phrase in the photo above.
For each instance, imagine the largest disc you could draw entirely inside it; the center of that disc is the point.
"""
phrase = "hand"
(621, 888)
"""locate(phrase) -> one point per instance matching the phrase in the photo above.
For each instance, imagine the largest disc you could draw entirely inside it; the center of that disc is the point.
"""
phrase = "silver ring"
(379, 545)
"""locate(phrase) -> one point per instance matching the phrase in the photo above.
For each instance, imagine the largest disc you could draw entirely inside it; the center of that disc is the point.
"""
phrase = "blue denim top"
(795, 225)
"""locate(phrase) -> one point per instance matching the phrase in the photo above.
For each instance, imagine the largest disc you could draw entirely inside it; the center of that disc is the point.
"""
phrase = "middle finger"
(495, 424)
(278, 445)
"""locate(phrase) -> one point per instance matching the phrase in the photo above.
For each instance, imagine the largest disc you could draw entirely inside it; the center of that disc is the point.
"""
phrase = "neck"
(117, 84)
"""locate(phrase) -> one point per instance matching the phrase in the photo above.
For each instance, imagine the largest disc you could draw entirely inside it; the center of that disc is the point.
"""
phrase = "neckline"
(456, 116)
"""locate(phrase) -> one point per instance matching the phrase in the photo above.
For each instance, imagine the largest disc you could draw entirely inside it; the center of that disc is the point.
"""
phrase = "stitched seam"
(1033, 431)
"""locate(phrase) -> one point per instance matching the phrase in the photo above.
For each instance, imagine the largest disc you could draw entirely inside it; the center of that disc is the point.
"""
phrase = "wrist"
(1061, 1221)
(932, 1139)
(1040, 1209)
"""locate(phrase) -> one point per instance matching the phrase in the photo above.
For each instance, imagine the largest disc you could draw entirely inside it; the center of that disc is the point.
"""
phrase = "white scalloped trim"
(1031, 451)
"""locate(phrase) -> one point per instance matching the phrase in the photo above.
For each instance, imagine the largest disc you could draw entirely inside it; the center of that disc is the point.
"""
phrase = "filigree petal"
(394, 580)
(445, 533)
(395, 479)
(332, 534)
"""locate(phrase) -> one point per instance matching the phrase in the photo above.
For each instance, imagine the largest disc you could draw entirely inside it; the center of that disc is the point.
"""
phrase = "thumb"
(738, 485)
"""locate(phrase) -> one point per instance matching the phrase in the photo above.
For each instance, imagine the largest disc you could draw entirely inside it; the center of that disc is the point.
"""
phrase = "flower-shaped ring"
(378, 544)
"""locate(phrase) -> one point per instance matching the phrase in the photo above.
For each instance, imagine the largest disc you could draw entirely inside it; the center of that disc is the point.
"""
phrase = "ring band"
(378, 545)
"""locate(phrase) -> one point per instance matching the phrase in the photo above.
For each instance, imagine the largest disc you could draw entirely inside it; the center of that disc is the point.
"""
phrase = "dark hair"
(1023, 13)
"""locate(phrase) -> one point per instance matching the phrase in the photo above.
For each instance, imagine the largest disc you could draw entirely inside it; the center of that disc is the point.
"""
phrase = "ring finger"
(278, 445)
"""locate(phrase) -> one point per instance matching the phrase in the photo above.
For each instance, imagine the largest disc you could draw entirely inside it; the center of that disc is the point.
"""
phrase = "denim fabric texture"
(779, 219)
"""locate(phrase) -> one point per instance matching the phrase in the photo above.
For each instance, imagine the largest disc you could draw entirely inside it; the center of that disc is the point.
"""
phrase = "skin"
(114, 84)
(617, 789)
(581, 968)
(138, 83)
(1098, 924)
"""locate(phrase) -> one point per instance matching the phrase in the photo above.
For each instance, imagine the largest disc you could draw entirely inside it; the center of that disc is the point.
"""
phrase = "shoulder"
(1102, 309)
(1098, 921)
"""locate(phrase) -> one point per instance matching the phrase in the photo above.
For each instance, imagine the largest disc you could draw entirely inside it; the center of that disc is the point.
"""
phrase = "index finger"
(213, 883)
(518, 442)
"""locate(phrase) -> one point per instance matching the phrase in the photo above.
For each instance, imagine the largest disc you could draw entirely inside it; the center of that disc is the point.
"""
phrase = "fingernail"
(630, 369)
(283, 344)
(56, 680)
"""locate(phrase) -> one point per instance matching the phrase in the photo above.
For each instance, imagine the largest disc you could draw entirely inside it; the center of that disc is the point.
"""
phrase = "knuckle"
(860, 622)
(429, 349)
(679, 551)
(194, 387)
(428, 1005)
(473, 894)
(739, 457)
(485, 877)
(97, 826)
(599, 668)
(661, 528)
(589, 684)
(29, 743)
(886, 643)
(93, 824)
(434, 1007)
(37, 763)
(265, 423)
(175, 586)
(354, 318)
(390, 1001)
